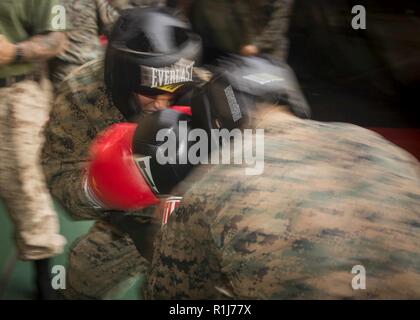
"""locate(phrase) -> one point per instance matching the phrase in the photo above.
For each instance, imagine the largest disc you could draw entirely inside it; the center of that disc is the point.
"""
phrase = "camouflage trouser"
(102, 263)
(24, 109)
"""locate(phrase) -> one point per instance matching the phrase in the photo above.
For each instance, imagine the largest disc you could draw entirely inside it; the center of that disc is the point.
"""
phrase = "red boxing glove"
(123, 173)
(182, 109)
(114, 180)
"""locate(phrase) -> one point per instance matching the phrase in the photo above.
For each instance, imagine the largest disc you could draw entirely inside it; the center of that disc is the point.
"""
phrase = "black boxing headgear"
(150, 52)
(237, 85)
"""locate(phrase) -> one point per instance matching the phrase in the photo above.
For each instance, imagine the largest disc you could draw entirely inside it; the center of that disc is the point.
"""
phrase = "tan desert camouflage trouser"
(24, 109)
(102, 264)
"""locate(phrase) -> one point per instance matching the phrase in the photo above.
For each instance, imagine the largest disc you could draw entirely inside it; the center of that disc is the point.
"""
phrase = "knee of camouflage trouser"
(102, 264)
(72, 294)
(74, 289)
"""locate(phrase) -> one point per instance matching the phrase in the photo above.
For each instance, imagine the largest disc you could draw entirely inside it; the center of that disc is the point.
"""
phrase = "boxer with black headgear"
(327, 207)
(99, 152)
(149, 63)
(238, 84)
(150, 60)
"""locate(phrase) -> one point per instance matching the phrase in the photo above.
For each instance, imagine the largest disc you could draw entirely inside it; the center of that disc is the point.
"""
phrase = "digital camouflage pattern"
(103, 264)
(87, 19)
(332, 196)
(81, 110)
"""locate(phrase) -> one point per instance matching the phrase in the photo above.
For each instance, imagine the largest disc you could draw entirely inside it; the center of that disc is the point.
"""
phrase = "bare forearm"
(43, 47)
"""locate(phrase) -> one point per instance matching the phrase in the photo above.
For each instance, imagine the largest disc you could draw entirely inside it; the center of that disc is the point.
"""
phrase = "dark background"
(367, 77)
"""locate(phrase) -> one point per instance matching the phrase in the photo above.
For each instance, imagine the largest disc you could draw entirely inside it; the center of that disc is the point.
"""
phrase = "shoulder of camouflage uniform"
(371, 142)
(84, 79)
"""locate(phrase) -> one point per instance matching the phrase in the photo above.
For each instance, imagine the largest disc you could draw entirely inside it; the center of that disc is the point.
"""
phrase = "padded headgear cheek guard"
(218, 105)
(229, 98)
(150, 52)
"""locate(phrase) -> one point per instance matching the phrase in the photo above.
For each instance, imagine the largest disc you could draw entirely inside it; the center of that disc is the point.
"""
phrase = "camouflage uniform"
(332, 196)
(106, 257)
(88, 18)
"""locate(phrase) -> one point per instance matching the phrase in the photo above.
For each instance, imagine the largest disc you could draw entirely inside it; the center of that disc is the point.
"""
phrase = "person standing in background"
(270, 21)
(89, 18)
(247, 27)
(223, 25)
(28, 38)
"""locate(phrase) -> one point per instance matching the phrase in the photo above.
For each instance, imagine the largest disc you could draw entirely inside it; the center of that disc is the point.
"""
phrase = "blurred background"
(367, 77)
